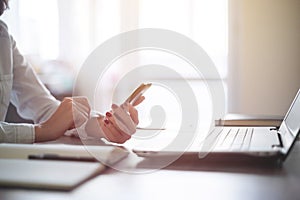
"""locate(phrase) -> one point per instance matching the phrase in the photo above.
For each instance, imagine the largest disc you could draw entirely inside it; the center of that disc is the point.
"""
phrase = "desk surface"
(181, 180)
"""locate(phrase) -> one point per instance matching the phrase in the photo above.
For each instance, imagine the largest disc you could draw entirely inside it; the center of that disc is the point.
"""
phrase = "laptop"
(240, 143)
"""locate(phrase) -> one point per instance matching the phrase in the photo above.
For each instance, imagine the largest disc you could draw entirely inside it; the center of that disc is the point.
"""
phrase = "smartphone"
(137, 93)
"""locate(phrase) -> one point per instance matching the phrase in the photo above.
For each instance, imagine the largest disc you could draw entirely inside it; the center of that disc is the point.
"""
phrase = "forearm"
(43, 133)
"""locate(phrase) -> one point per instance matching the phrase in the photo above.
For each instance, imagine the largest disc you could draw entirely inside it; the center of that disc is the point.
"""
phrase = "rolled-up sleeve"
(20, 86)
(31, 98)
(16, 133)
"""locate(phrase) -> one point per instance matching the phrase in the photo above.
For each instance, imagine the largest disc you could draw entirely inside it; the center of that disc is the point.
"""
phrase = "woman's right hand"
(71, 113)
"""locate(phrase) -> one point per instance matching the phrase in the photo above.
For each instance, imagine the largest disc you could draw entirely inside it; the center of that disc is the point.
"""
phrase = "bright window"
(58, 35)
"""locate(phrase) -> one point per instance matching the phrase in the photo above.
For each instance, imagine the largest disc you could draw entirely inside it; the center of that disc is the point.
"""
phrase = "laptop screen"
(290, 127)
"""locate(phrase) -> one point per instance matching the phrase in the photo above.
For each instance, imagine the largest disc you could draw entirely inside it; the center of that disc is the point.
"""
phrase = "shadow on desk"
(193, 164)
(262, 166)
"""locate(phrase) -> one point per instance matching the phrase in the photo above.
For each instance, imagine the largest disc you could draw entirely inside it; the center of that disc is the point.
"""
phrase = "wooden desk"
(182, 180)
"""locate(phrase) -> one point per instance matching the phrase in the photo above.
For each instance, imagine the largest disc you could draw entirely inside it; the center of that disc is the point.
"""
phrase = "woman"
(20, 86)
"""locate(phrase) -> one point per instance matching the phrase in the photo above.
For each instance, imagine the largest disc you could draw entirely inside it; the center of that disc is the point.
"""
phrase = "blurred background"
(255, 44)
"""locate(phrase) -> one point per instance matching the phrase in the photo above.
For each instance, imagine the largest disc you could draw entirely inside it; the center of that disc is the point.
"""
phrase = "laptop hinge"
(280, 145)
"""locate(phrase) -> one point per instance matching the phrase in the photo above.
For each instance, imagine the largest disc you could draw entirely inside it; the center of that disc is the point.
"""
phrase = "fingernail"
(108, 114)
(106, 121)
(114, 106)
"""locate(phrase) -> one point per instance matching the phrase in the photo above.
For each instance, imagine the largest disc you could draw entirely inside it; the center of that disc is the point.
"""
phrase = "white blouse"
(20, 86)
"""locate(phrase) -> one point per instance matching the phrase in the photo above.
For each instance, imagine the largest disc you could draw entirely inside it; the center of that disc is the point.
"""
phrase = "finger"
(134, 114)
(123, 120)
(131, 111)
(108, 133)
(139, 100)
(113, 134)
(120, 128)
(123, 133)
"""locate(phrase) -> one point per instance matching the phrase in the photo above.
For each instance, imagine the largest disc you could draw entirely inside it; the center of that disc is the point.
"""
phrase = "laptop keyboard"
(240, 139)
(237, 139)
(228, 138)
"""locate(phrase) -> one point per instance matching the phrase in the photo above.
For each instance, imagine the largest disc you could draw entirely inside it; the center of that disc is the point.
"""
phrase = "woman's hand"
(71, 113)
(120, 123)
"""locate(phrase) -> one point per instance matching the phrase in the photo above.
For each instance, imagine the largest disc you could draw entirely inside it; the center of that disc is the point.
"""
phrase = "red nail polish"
(108, 114)
(106, 121)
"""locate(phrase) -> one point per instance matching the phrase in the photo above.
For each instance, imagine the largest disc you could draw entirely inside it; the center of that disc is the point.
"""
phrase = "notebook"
(108, 155)
(54, 166)
(241, 143)
(44, 174)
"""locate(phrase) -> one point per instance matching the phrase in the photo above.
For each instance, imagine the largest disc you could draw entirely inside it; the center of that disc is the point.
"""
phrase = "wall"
(264, 55)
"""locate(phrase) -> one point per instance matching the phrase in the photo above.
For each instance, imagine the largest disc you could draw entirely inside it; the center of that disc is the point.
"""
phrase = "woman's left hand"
(120, 123)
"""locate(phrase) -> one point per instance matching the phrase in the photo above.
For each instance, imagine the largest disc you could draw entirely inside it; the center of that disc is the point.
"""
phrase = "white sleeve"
(29, 95)
(19, 84)
(16, 133)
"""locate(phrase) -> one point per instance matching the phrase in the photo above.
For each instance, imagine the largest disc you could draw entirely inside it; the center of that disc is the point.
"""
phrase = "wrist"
(93, 127)
(38, 133)
(42, 133)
